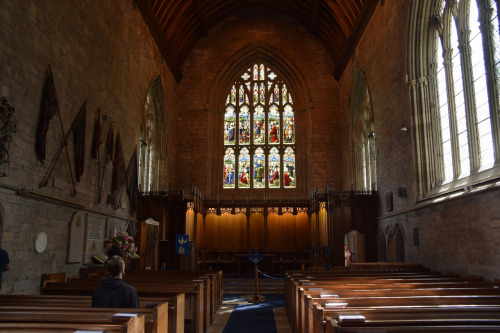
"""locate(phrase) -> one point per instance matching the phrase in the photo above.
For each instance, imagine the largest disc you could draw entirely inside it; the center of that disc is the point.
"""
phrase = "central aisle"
(238, 315)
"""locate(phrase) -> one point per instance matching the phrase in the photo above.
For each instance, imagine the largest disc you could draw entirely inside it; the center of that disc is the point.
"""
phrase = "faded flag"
(119, 171)
(79, 141)
(110, 143)
(97, 138)
(132, 179)
(48, 108)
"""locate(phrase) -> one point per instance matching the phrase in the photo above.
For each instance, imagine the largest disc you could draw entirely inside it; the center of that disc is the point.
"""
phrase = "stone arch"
(382, 247)
(391, 245)
(258, 52)
(400, 242)
(361, 133)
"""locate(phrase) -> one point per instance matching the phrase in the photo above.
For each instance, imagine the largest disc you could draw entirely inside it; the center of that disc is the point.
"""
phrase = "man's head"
(107, 245)
(115, 266)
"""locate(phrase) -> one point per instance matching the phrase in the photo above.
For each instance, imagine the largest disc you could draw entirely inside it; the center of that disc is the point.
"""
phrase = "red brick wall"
(319, 131)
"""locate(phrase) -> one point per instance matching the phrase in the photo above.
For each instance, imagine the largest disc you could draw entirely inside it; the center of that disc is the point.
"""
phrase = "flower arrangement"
(126, 244)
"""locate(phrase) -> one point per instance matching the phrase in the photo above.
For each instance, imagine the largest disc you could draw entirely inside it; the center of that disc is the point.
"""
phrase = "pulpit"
(147, 239)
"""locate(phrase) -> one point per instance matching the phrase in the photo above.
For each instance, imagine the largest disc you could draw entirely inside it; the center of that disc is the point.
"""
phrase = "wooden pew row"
(208, 306)
(197, 306)
(293, 282)
(316, 319)
(341, 277)
(331, 327)
(34, 323)
(162, 311)
(193, 295)
(300, 319)
(212, 279)
(421, 320)
(308, 297)
(155, 319)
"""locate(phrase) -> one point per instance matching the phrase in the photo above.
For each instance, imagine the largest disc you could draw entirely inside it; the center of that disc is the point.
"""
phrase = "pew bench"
(155, 319)
(163, 311)
(193, 291)
(34, 323)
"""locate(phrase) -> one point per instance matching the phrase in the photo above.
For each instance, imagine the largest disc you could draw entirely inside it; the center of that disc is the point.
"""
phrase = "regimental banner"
(181, 244)
(255, 258)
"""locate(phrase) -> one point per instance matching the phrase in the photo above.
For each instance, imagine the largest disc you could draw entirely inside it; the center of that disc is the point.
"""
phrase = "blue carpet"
(253, 317)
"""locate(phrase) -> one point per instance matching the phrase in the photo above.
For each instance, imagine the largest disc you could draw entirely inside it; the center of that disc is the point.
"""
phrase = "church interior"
(206, 131)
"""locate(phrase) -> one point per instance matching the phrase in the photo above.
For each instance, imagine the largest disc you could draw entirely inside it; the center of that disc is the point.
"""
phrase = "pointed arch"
(400, 239)
(152, 146)
(362, 135)
(260, 53)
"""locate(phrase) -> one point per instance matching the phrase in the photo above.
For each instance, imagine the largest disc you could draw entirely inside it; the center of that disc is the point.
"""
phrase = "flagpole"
(98, 157)
(104, 167)
(117, 203)
(63, 144)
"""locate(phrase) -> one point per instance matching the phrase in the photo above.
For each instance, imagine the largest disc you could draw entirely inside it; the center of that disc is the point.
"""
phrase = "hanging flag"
(97, 138)
(79, 141)
(48, 108)
(119, 171)
(132, 179)
(110, 143)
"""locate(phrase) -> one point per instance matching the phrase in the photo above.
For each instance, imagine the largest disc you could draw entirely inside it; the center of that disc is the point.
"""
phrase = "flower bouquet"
(126, 244)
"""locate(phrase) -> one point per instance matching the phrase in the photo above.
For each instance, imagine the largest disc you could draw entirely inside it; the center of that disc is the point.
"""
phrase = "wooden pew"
(193, 291)
(354, 286)
(156, 319)
(32, 322)
(161, 315)
(212, 280)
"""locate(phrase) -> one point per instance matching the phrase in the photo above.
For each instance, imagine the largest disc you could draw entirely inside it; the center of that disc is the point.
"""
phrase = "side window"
(152, 147)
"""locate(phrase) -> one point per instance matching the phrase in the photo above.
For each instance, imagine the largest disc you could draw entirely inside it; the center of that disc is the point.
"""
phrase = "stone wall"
(100, 52)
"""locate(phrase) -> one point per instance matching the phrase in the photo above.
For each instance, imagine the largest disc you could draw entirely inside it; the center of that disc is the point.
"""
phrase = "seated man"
(113, 292)
(111, 249)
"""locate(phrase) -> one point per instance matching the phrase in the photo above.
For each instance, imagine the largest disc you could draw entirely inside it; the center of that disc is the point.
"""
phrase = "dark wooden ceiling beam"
(201, 18)
(159, 37)
(348, 50)
(314, 15)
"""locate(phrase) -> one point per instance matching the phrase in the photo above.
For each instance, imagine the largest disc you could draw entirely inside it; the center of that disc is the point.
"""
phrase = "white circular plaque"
(40, 242)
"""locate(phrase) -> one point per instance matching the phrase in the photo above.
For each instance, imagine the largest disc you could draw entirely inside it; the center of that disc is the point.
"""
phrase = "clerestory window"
(259, 132)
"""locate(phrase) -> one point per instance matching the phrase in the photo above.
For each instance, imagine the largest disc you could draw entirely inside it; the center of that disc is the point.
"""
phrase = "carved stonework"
(8, 126)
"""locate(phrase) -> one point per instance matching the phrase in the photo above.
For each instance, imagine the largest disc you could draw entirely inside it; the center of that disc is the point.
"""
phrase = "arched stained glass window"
(259, 127)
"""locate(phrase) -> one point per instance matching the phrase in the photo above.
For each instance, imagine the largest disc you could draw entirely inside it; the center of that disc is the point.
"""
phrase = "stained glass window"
(259, 132)
(229, 164)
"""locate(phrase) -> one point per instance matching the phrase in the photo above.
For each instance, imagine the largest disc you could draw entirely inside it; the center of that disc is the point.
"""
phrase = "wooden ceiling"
(177, 25)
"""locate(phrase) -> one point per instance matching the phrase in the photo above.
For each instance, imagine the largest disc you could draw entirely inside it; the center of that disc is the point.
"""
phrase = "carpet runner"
(238, 315)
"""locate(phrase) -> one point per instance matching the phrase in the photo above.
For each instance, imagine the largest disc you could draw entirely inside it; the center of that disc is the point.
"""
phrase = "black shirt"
(115, 251)
(115, 293)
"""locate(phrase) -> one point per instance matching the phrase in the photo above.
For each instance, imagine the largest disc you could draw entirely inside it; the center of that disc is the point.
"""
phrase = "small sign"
(255, 258)
(181, 244)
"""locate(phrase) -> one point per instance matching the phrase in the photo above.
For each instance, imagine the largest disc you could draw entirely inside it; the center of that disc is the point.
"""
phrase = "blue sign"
(255, 258)
(181, 244)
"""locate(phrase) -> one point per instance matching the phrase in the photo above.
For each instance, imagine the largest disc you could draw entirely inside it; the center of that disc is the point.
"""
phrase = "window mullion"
(470, 105)
(452, 111)
(488, 34)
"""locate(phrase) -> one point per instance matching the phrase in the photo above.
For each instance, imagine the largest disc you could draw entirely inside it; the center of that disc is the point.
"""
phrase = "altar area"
(290, 234)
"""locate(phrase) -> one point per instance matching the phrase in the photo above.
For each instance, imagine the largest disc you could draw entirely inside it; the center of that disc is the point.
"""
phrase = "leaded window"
(259, 132)
(464, 107)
